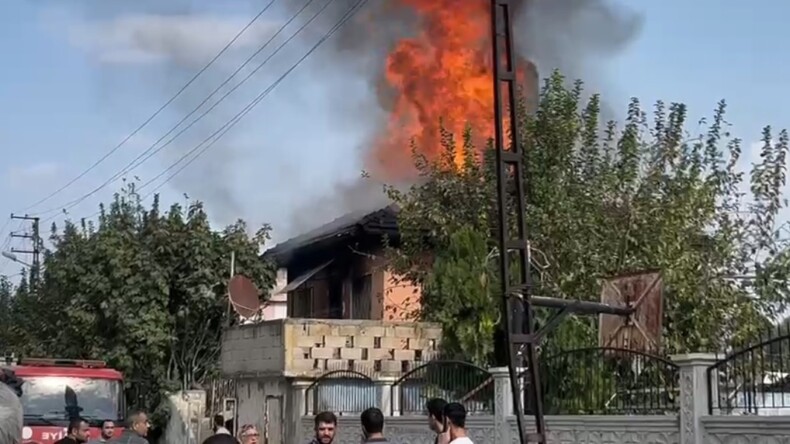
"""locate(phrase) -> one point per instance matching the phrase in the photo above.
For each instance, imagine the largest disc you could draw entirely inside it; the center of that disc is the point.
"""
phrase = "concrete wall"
(310, 347)
(483, 430)
(255, 349)
(187, 424)
(692, 425)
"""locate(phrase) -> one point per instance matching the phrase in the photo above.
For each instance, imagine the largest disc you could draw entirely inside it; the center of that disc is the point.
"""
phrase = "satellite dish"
(243, 295)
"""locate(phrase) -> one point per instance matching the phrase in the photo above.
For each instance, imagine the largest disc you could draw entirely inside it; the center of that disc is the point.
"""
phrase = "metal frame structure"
(518, 301)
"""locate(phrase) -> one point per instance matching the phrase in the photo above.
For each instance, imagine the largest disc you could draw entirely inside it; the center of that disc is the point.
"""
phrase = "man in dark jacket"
(373, 426)
(76, 433)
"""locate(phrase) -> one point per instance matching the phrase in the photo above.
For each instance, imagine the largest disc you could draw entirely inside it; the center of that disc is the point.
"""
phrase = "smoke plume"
(350, 99)
(574, 36)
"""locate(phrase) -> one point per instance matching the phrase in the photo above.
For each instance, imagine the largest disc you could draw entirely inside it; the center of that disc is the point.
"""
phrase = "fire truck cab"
(55, 390)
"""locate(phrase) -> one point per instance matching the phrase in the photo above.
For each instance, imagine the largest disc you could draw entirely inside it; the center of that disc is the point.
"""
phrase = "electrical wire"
(153, 150)
(218, 134)
(230, 124)
(157, 112)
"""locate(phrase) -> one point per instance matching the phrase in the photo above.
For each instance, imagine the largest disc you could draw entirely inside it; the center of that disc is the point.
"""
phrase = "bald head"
(10, 416)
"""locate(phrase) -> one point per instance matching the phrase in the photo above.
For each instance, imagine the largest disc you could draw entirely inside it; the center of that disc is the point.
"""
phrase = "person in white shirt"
(455, 420)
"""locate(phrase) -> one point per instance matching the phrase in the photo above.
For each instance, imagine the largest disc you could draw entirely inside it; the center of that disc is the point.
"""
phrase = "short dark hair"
(455, 414)
(219, 421)
(435, 408)
(326, 418)
(372, 420)
(220, 439)
(74, 425)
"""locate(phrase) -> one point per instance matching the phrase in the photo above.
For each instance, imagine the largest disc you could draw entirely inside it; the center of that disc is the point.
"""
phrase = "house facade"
(340, 271)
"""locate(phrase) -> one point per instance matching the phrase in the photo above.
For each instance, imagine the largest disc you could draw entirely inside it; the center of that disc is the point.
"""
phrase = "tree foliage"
(607, 198)
(141, 288)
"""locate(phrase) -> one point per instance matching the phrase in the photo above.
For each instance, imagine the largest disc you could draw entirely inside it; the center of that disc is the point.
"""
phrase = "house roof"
(379, 222)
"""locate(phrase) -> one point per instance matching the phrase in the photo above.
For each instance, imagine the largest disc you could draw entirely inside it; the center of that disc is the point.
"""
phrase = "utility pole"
(35, 250)
(518, 302)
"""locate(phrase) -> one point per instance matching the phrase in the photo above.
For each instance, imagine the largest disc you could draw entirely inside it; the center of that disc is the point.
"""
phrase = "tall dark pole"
(34, 251)
(517, 303)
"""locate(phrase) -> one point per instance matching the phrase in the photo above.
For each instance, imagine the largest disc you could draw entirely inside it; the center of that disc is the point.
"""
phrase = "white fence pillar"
(385, 393)
(503, 403)
(693, 394)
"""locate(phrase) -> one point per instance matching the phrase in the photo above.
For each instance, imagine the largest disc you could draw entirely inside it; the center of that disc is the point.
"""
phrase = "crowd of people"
(446, 420)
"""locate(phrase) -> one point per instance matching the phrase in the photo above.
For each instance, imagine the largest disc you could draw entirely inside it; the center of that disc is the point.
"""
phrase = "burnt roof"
(379, 222)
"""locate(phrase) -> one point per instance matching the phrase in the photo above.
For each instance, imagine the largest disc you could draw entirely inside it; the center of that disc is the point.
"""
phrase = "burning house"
(339, 270)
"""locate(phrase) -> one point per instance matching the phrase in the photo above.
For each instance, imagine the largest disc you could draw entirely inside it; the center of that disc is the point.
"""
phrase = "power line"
(350, 13)
(153, 150)
(230, 124)
(158, 111)
(218, 134)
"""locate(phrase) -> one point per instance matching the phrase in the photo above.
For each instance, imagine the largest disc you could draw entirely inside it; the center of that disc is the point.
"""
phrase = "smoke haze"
(175, 38)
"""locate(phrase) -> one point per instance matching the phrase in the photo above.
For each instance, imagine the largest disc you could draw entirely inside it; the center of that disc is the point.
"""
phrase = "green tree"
(142, 289)
(6, 294)
(605, 199)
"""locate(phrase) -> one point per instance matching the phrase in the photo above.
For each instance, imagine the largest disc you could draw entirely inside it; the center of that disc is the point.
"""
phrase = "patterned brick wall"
(314, 347)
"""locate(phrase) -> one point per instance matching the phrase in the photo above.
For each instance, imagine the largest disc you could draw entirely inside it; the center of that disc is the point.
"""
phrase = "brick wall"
(308, 347)
(314, 347)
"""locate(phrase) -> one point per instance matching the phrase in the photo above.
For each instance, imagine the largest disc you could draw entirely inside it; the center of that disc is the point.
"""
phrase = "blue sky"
(79, 76)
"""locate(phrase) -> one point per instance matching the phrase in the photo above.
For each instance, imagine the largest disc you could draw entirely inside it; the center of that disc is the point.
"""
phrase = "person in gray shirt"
(373, 426)
(137, 426)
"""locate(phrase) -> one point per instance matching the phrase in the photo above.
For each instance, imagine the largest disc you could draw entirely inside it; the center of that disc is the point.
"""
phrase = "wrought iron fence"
(606, 381)
(453, 381)
(343, 392)
(753, 380)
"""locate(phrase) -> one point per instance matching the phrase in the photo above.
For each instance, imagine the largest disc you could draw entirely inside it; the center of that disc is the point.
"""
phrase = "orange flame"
(443, 73)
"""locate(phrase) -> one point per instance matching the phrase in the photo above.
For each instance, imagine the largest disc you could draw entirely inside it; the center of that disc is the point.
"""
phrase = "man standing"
(435, 409)
(106, 434)
(137, 426)
(219, 426)
(455, 417)
(373, 426)
(325, 426)
(76, 433)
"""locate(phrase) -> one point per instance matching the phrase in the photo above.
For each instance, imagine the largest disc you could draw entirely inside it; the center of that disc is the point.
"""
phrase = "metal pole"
(232, 273)
(517, 300)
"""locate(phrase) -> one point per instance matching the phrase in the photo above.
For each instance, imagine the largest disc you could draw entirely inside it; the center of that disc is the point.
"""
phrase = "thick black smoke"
(574, 36)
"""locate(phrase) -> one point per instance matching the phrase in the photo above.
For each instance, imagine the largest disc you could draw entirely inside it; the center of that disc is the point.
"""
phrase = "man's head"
(107, 429)
(79, 430)
(325, 425)
(372, 422)
(10, 416)
(138, 423)
(455, 418)
(435, 408)
(219, 421)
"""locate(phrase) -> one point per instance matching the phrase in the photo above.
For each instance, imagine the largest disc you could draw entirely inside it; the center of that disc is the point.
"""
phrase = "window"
(300, 303)
(50, 398)
(361, 296)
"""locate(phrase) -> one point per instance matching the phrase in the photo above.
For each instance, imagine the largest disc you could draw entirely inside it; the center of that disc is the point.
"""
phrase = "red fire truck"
(55, 390)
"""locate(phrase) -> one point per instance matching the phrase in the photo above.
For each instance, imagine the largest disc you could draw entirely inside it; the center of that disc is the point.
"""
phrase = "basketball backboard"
(641, 330)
